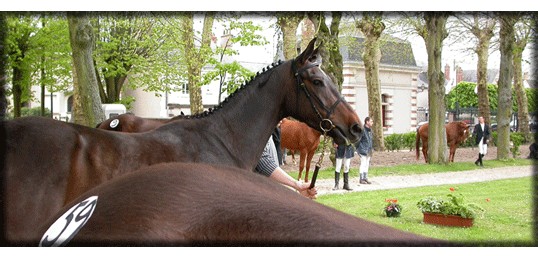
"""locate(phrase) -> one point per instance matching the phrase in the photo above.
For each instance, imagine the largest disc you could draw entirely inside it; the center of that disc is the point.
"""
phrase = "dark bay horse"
(456, 133)
(298, 136)
(48, 163)
(196, 204)
(129, 122)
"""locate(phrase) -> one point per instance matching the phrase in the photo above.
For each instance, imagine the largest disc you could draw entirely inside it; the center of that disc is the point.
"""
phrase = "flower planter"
(447, 220)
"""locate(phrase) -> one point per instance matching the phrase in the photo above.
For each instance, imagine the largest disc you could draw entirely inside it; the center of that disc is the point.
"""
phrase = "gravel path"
(392, 158)
(324, 186)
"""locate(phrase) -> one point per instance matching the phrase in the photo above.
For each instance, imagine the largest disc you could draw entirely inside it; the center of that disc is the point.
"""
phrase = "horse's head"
(317, 101)
(465, 127)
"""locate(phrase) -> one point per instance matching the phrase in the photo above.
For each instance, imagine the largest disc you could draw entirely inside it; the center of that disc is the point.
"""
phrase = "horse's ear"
(316, 56)
(307, 53)
(316, 51)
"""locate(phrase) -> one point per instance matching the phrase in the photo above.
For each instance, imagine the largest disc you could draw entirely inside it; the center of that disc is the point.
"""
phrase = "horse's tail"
(417, 143)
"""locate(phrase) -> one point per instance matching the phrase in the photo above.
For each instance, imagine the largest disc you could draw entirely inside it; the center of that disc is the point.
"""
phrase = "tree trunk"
(196, 58)
(330, 53)
(372, 27)
(483, 31)
(42, 77)
(21, 75)
(87, 109)
(16, 90)
(3, 66)
(435, 34)
(521, 96)
(482, 83)
(288, 23)
(506, 74)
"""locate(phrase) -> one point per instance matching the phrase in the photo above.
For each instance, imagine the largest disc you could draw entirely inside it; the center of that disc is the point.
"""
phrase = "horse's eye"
(317, 82)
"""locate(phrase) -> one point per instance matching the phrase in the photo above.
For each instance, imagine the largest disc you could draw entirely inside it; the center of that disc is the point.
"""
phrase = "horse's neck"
(245, 122)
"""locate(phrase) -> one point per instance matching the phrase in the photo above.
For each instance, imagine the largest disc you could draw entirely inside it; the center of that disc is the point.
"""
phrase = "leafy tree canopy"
(464, 94)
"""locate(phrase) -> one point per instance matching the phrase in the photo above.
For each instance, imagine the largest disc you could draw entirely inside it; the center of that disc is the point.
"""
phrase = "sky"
(450, 54)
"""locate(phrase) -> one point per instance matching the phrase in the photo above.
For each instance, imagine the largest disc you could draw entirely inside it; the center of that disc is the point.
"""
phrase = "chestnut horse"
(197, 204)
(297, 136)
(456, 133)
(48, 163)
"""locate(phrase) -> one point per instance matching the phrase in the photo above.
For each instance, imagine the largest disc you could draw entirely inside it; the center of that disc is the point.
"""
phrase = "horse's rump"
(238, 208)
(298, 136)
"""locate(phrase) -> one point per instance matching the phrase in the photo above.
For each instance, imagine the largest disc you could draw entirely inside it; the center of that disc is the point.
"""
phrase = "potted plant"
(449, 212)
(392, 208)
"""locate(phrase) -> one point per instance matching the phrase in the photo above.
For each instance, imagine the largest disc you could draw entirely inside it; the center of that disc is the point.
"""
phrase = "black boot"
(336, 180)
(478, 160)
(366, 181)
(481, 156)
(346, 181)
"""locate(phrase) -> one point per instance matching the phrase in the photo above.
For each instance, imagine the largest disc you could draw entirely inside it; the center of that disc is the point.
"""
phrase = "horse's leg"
(425, 150)
(293, 156)
(300, 166)
(302, 160)
(308, 161)
(452, 153)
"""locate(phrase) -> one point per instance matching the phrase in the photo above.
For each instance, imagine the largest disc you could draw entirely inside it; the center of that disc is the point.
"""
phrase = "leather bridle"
(325, 124)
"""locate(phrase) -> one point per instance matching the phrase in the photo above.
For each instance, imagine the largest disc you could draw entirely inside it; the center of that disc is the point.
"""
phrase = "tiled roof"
(393, 52)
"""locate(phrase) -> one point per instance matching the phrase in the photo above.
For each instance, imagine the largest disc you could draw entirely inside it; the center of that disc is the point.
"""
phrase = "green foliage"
(127, 102)
(400, 141)
(516, 139)
(232, 74)
(465, 96)
(453, 206)
(25, 111)
(54, 54)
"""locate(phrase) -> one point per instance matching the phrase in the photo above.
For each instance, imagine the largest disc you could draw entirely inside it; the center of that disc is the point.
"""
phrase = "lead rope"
(320, 160)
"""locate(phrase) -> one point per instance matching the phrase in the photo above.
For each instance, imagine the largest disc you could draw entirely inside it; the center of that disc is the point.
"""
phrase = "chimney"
(226, 36)
(459, 75)
(447, 72)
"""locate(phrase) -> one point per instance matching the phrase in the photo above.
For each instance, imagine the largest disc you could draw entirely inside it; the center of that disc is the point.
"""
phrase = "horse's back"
(31, 180)
(172, 204)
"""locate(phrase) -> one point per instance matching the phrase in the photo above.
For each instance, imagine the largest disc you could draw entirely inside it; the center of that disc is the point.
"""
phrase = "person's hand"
(305, 190)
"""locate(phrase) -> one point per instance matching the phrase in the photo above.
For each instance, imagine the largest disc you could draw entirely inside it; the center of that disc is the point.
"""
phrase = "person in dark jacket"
(365, 148)
(481, 134)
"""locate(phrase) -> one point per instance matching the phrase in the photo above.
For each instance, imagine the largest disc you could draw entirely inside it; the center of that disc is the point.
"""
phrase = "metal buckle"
(326, 121)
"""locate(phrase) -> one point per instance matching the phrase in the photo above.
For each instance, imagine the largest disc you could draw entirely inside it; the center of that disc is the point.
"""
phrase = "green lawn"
(507, 221)
(409, 169)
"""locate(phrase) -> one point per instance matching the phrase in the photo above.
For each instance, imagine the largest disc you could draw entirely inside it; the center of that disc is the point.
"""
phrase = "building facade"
(398, 74)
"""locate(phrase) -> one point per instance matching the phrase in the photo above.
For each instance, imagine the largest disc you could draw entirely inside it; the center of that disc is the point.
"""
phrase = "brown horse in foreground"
(297, 136)
(49, 163)
(195, 204)
(456, 133)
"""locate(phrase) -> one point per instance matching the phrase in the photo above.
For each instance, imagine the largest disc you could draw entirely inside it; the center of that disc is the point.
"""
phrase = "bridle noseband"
(325, 124)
